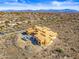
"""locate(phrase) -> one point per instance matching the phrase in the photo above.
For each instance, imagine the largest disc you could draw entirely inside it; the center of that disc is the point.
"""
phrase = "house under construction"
(38, 35)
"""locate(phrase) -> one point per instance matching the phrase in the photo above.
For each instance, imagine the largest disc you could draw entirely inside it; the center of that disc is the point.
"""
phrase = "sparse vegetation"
(59, 50)
(65, 24)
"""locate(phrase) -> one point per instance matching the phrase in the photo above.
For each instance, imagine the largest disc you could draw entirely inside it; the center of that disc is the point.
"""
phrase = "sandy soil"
(66, 46)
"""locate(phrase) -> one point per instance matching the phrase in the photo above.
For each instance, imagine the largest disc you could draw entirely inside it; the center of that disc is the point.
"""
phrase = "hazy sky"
(38, 4)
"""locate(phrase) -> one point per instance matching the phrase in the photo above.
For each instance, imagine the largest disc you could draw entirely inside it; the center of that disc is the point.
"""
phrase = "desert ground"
(66, 46)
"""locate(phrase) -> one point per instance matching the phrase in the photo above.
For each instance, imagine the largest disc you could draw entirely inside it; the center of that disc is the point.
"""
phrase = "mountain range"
(50, 10)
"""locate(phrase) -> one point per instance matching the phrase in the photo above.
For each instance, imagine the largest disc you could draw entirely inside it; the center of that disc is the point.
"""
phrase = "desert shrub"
(29, 22)
(59, 50)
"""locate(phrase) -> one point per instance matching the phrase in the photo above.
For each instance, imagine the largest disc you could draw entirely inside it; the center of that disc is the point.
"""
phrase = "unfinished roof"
(43, 35)
(38, 35)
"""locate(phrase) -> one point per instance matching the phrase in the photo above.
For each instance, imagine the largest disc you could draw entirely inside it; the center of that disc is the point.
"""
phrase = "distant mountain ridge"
(50, 10)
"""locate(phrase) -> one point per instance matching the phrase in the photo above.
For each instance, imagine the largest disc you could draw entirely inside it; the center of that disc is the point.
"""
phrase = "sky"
(38, 4)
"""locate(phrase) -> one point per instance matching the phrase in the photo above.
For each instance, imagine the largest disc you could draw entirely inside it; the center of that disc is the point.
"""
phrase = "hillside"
(66, 46)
